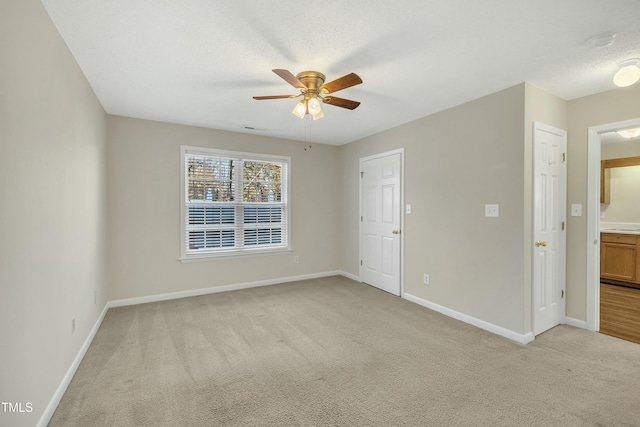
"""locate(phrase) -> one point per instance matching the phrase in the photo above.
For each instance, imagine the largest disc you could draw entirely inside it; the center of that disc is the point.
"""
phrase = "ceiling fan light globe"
(300, 109)
(627, 75)
(318, 115)
(314, 106)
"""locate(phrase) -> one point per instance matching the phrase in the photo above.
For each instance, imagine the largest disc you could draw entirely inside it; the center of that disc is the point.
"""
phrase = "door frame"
(594, 154)
(400, 213)
(563, 241)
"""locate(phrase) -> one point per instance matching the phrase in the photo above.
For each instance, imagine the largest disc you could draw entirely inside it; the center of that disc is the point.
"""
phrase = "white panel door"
(549, 218)
(380, 222)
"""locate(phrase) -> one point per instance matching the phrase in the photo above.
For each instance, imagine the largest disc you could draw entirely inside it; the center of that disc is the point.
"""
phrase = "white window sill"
(232, 255)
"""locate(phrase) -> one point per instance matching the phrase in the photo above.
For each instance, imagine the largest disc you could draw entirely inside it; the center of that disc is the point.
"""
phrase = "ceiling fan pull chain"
(307, 135)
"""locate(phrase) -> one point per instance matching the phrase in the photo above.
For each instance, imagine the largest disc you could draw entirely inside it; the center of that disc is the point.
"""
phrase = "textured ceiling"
(199, 62)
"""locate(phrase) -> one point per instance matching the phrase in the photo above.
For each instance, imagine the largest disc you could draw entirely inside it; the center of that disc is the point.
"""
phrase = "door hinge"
(562, 293)
(361, 174)
(360, 262)
(562, 225)
(564, 157)
(361, 219)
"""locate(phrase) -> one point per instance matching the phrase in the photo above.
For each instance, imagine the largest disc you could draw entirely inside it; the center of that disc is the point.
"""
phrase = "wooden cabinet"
(620, 257)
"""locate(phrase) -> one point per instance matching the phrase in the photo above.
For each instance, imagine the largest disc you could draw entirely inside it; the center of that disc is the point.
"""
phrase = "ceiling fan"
(312, 88)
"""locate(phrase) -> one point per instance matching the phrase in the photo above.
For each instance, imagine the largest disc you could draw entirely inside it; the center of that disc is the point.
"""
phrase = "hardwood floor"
(620, 312)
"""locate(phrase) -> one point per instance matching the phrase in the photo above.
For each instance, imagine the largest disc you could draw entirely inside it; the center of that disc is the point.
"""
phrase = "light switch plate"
(408, 209)
(576, 210)
(492, 211)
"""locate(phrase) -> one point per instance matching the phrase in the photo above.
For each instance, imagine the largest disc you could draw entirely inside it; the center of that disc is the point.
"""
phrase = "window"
(233, 203)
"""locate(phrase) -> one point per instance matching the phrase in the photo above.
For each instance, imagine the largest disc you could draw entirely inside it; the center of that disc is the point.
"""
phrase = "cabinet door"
(618, 261)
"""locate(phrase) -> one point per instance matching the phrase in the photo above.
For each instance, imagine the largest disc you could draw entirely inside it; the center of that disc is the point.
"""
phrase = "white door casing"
(380, 221)
(593, 217)
(549, 222)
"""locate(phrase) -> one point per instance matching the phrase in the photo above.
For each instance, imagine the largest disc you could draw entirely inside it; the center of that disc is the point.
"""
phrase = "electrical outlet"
(73, 324)
(296, 259)
(425, 279)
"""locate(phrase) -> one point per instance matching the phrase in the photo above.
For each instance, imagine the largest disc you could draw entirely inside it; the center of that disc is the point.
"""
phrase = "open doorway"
(596, 134)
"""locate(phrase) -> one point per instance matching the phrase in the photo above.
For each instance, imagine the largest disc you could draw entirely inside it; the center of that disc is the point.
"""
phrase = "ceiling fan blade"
(289, 78)
(343, 82)
(341, 102)
(260, 98)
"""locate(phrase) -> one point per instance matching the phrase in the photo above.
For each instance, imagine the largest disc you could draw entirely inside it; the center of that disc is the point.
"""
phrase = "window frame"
(185, 255)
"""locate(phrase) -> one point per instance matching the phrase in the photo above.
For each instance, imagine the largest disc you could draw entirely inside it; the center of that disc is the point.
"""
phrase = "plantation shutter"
(234, 204)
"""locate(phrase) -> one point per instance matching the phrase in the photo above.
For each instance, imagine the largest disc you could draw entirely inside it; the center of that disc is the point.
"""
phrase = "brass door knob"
(539, 243)
(396, 231)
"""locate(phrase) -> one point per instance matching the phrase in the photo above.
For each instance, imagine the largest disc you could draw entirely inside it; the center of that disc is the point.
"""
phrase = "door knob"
(539, 243)
(396, 231)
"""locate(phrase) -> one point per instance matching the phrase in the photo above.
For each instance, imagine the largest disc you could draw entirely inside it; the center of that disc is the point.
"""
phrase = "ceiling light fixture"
(314, 106)
(300, 109)
(628, 74)
(318, 115)
(602, 40)
(309, 105)
(629, 133)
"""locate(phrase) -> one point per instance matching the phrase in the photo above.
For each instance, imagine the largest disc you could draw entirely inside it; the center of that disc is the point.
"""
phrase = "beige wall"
(624, 203)
(52, 205)
(603, 108)
(144, 208)
(456, 161)
(617, 150)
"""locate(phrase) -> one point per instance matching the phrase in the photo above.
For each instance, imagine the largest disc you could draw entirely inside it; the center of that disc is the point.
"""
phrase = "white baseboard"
(498, 330)
(66, 380)
(575, 322)
(349, 276)
(216, 289)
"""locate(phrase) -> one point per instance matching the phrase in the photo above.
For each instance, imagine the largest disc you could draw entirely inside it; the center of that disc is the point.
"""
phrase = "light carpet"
(334, 352)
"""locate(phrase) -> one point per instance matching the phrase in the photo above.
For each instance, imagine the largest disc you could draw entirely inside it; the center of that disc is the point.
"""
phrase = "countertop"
(619, 231)
(620, 228)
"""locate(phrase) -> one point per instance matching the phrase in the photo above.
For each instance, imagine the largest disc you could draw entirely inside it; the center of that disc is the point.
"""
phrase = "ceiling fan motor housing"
(312, 80)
